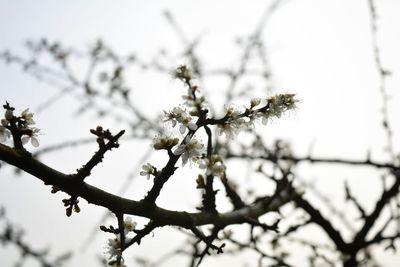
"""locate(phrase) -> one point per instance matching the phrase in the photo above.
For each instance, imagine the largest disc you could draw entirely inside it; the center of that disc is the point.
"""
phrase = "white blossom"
(232, 111)
(186, 122)
(113, 247)
(129, 225)
(278, 104)
(190, 150)
(213, 166)
(191, 102)
(27, 116)
(231, 128)
(255, 102)
(182, 116)
(237, 120)
(193, 99)
(234, 123)
(173, 116)
(190, 125)
(32, 136)
(24, 122)
(183, 73)
(265, 119)
(148, 170)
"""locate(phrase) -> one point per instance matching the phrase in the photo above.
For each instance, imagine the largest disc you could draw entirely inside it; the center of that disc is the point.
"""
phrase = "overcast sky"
(320, 50)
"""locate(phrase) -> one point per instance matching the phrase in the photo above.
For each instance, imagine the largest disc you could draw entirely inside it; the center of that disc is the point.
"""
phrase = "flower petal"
(34, 142)
(179, 150)
(25, 139)
(192, 126)
(182, 129)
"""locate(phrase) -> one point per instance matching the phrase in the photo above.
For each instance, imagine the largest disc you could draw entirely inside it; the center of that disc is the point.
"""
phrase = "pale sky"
(320, 50)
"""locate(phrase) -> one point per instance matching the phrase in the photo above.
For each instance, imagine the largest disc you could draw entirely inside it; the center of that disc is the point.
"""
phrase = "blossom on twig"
(233, 124)
(18, 126)
(236, 120)
(277, 105)
(182, 116)
(31, 136)
(164, 141)
(148, 170)
(190, 149)
(213, 165)
(129, 225)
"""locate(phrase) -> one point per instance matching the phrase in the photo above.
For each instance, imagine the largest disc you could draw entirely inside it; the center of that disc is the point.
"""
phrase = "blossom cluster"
(190, 150)
(234, 122)
(183, 73)
(113, 248)
(213, 165)
(279, 104)
(182, 116)
(21, 124)
(193, 100)
(237, 119)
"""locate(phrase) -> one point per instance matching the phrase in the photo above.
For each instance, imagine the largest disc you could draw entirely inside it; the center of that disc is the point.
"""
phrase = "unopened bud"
(9, 115)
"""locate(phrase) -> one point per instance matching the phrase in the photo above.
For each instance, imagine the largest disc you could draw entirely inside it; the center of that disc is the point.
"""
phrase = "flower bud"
(9, 115)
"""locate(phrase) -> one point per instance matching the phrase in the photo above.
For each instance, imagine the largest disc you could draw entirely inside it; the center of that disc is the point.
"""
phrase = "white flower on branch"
(187, 124)
(190, 102)
(255, 102)
(148, 170)
(232, 127)
(236, 120)
(173, 116)
(278, 104)
(183, 73)
(31, 136)
(193, 99)
(27, 116)
(21, 125)
(213, 166)
(190, 150)
(233, 124)
(232, 111)
(129, 225)
(113, 247)
(181, 115)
